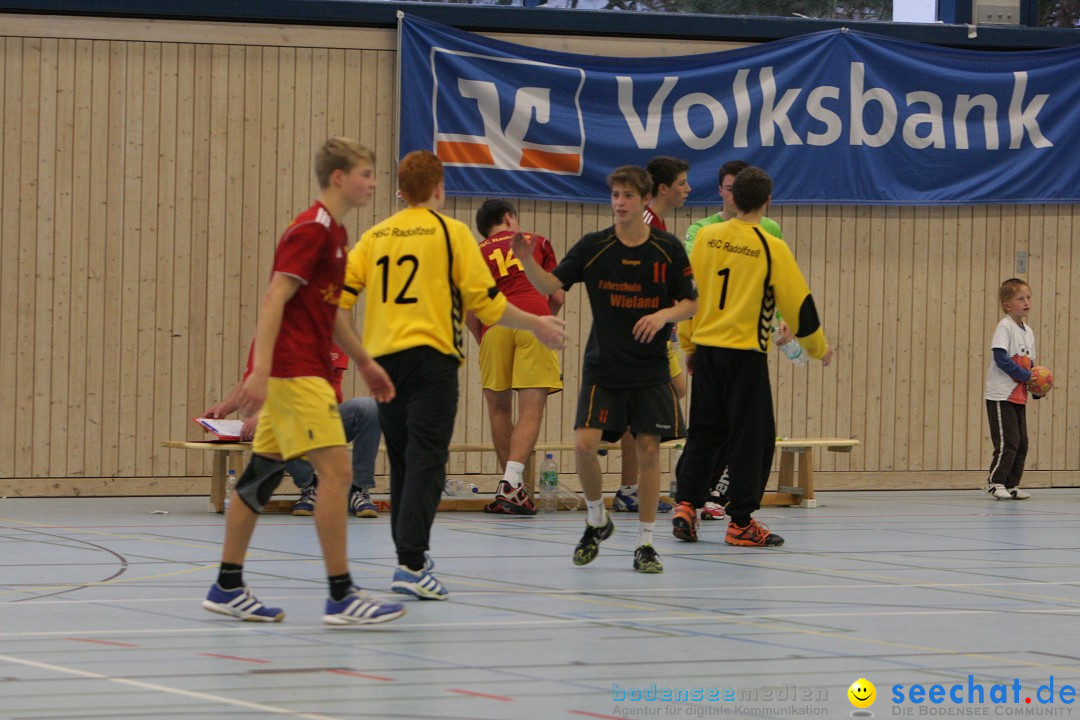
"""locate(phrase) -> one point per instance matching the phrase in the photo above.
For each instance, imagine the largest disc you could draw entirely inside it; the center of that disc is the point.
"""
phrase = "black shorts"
(652, 410)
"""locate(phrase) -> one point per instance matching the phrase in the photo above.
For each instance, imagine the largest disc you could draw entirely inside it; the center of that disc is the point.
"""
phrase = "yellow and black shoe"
(589, 546)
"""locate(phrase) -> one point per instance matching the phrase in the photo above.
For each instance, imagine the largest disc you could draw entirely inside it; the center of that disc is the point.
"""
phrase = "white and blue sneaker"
(360, 608)
(627, 502)
(240, 603)
(420, 584)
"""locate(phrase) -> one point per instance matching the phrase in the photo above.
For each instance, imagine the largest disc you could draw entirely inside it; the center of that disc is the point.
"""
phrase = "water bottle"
(675, 455)
(549, 484)
(230, 487)
(792, 349)
(456, 487)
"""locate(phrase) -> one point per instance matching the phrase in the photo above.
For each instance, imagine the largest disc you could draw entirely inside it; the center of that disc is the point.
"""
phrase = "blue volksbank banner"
(835, 117)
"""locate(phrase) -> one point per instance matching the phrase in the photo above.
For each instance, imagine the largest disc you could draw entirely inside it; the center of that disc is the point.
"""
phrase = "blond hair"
(1008, 290)
(339, 153)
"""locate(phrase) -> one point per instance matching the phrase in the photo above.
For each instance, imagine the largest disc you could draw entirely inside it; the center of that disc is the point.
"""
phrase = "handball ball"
(1041, 380)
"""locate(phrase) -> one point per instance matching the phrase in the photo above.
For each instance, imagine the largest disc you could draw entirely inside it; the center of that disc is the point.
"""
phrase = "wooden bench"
(792, 489)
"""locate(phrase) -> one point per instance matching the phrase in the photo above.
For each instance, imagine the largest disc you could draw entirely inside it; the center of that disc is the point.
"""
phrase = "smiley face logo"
(862, 693)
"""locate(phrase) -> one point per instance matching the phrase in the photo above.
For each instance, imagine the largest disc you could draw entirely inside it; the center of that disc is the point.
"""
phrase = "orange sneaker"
(685, 522)
(755, 534)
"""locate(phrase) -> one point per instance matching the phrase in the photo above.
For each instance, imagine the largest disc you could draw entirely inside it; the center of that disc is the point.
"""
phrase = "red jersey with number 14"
(510, 276)
(312, 250)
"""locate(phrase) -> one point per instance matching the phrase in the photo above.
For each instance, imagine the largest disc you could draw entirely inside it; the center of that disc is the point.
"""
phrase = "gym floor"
(100, 615)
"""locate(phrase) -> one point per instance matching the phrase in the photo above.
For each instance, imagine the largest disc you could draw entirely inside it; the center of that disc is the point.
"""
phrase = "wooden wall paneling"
(74, 423)
(948, 338)
(302, 132)
(248, 238)
(386, 117)
(920, 287)
(866, 395)
(178, 98)
(162, 206)
(129, 306)
(797, 227)
(335, 92)
(1065, 406)
(816, 271)
(58, 353)
(142, 423)
(10, 106)
(366, 133)
(285, 113)
(240, 182)
(43, 296)
(320, 117)
(929, 310)
(852, 260)
(1031, 231)
(1058, 335)
(268, 223)
(971, 310)
(352, 80)
(28, 123)
(97, 241)
(203, 390)
(888, 309)
(217, 225)
(905, 363)
(957, 374)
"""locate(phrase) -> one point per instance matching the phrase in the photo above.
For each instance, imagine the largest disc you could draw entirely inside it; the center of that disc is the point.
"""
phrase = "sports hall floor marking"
(472, 693)
(156, 687)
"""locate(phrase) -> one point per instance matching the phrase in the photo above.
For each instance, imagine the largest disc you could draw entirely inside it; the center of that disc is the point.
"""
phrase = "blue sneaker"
(627, 502)
(360, 504)
(305, 504)
(240, 603)
(419, 584)
(360, 608)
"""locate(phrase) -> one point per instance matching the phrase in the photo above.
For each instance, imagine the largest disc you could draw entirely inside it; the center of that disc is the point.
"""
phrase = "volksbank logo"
(483, 119)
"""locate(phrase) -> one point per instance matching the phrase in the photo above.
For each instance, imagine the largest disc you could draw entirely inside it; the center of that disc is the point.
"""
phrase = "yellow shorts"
(300, 414)
(515, 359)
(673, 361)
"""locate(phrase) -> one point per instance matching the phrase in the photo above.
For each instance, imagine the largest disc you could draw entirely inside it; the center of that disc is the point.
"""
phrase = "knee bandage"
(260, 479)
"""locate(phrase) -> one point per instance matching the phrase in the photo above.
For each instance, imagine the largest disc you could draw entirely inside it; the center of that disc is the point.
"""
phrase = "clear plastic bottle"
(676, 453)
(549, 484)
(230, 487)
(455, 487)
(792, 349)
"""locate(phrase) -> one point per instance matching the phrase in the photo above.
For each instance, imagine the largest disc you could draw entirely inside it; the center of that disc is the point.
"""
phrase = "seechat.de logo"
(507, 113)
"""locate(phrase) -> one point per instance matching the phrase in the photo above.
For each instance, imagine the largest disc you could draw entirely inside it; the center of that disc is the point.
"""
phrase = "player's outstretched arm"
(522, 245)
(253, 393)
(375, 377)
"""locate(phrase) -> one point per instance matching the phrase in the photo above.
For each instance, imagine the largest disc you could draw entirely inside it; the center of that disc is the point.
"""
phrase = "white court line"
(165, 689)
(695, 589)
(679, 619)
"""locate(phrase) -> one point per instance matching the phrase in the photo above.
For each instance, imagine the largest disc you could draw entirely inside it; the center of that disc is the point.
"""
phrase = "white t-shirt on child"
(1019, 342)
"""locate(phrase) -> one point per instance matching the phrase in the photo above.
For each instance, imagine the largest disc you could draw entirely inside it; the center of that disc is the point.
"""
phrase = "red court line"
(483, 695)
(234, 657)
(352, 673)
(592, 714)
(100, 642)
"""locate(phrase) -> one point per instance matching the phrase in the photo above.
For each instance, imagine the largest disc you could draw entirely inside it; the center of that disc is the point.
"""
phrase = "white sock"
(629, 489)
(596, 512)
(513, 473)
(645, 531)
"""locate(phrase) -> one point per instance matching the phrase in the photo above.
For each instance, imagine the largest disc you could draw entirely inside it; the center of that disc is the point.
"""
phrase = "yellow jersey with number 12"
(422, 270)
